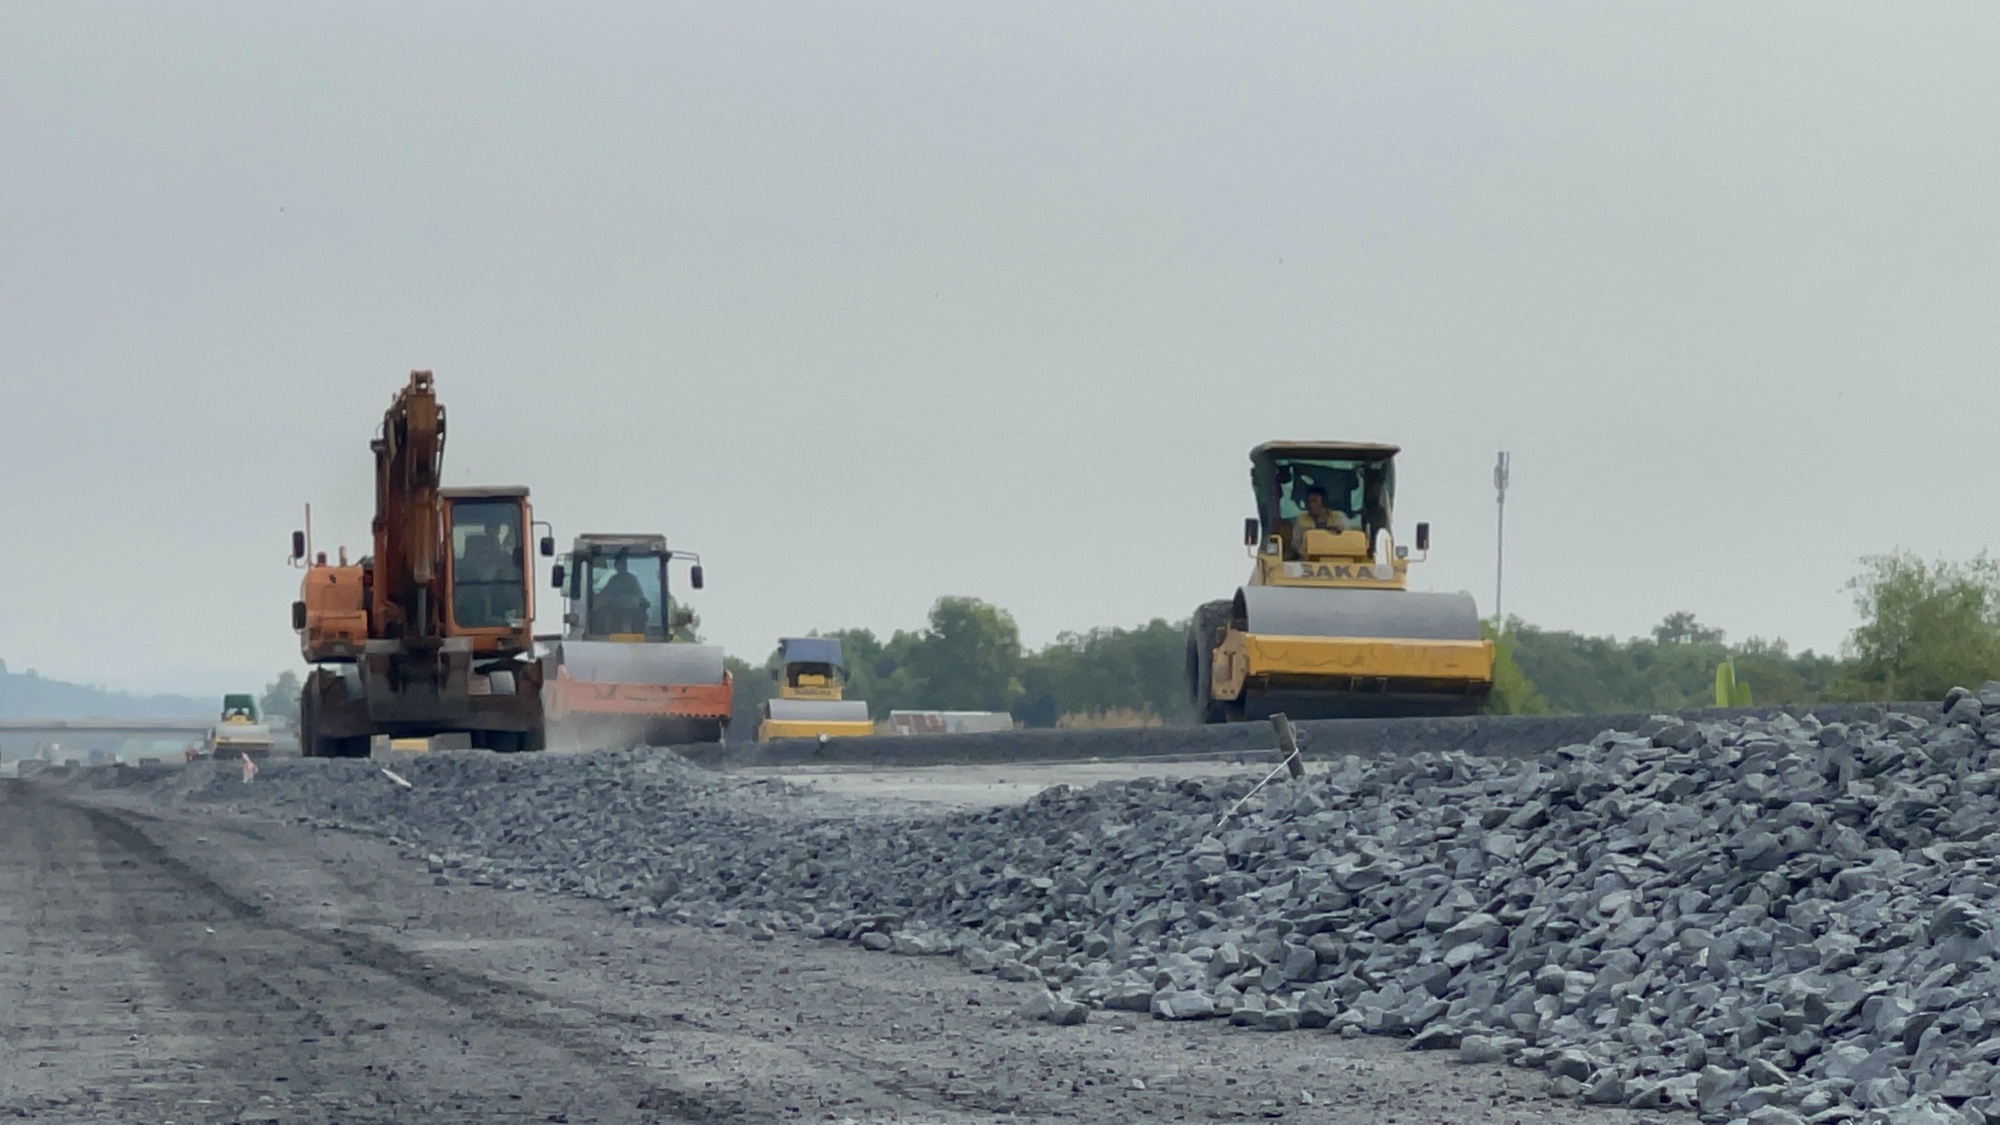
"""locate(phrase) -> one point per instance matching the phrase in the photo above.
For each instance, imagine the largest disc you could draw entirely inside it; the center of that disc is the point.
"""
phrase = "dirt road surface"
(179, 967)
(940, 788)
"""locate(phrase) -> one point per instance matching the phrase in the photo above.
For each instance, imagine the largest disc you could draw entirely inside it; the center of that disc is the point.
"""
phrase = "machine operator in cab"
(1316, 517)
(621, 603)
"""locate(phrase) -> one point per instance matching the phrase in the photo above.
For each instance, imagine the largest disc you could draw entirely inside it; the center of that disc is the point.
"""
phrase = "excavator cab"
(489, 575)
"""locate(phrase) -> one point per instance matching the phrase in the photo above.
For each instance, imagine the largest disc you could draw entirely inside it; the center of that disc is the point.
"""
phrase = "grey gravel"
(1759, 920)
(1050, 1007)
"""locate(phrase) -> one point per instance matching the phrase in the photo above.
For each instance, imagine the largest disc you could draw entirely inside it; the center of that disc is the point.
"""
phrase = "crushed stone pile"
(1762, 920)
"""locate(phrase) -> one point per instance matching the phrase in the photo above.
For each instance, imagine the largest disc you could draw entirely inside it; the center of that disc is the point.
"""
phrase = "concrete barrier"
(918, 723)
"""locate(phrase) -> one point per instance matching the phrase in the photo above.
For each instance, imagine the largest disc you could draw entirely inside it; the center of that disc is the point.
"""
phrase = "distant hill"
(26, 695)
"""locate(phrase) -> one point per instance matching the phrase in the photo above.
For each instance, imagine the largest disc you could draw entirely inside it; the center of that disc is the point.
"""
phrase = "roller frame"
(1349, 653)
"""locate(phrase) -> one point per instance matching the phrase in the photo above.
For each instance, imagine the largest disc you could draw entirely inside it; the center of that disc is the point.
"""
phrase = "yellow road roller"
(809, 702)
(1327, 627)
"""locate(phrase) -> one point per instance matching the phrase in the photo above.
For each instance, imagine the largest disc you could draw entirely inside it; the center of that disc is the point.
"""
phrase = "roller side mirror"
(1423, 537)
(557, 574)
(694, 576)
(298, 545)
(548, 546)
(298, 615)
(1250, 536)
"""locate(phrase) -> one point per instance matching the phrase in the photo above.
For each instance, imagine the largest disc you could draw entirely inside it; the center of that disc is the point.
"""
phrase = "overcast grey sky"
(871, 303)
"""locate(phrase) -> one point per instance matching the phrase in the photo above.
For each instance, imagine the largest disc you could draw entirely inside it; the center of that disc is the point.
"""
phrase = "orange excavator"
(432, 634)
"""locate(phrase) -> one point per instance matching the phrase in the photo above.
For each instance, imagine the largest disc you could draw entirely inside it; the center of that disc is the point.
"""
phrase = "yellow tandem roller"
(809, 703)
(1327, 627)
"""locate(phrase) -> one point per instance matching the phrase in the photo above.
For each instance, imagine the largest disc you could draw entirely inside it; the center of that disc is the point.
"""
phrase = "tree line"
(1926, 626)
(969, 657)
(30, 695)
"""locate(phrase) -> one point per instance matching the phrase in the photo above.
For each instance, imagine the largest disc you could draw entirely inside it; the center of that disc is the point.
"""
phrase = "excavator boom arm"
(409, 465)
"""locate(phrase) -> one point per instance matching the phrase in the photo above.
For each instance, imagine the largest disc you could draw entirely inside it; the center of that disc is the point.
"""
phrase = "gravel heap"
(1772, 920)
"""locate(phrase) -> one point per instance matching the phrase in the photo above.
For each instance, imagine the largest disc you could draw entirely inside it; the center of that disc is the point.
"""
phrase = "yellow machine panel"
(771, 729)
(1245, 654)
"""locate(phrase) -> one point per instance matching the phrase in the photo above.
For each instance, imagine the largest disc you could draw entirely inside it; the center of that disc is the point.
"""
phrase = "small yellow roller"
(809, 703)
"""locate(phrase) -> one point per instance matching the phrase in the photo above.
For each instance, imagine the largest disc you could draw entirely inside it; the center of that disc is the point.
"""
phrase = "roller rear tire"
(1205, 631)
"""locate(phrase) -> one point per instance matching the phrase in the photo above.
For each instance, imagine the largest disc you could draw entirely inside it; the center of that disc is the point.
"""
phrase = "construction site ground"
(202, 966)
(890, 791)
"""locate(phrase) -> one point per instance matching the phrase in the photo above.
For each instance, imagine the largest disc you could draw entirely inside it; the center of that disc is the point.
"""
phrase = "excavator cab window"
(626, 594)
(489, 579)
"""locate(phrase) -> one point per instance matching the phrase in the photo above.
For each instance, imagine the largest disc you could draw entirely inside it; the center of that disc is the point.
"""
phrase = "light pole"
(1500, 475)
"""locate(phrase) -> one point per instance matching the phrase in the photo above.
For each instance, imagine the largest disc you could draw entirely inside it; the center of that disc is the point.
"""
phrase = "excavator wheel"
(1205, 631)
(309, 743)
(314, 745)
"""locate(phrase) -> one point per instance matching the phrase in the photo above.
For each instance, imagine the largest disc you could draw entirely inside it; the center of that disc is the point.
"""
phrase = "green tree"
(1926, 626)
(1106, 669)
(750, 686)
(1673, 669)
(281, 697)
(1777, 676)
(969, 659)
(1681, 628)
(1581, 674)
(1513, 693)
(683, 623)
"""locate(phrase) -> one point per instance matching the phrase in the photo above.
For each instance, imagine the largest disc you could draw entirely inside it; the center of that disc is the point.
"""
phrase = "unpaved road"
(172, 967)
(936, 788)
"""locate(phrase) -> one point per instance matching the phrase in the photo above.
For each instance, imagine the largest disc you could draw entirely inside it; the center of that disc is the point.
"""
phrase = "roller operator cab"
(809, 702)
(627, 668)
(619, 589)
(1326, 626)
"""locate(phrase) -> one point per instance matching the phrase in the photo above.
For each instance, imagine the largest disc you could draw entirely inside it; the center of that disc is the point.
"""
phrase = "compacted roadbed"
(194, 964)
